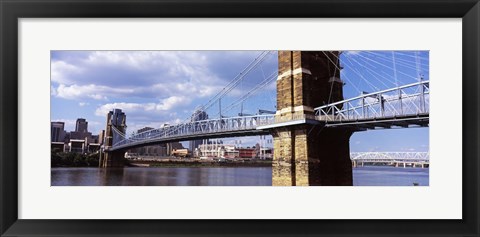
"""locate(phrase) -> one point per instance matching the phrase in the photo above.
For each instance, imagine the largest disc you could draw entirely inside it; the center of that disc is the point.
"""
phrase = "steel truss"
(401, 106)
(192, 129)
(390, 156)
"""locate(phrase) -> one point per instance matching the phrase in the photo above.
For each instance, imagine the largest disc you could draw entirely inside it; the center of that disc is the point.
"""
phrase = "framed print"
(160, 115)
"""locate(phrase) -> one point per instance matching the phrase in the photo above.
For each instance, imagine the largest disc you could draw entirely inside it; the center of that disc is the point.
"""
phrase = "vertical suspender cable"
(396, 82)
(420, 78)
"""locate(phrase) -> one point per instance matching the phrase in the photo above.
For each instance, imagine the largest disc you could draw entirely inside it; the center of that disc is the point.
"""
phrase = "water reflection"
(220, 176)
(141, 176)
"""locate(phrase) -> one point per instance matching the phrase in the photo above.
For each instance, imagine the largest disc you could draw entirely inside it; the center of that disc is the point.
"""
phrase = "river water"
(219, 176)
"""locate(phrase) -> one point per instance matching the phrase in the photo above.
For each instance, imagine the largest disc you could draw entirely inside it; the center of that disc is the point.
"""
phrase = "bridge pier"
(116, 120)
(307, 153)
(309, 156)
(112, 159)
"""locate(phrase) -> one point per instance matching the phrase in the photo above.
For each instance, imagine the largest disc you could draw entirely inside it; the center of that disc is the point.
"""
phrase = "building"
(266, 153)
(155, 150)
(77, 146)
(93, 147)
(209, 150)
(81, 131)
(57, 132)
(198, 115)
(141, 130)
(181, 153)
(247, 153)
(95, 139)
(229, 152)
(81, 125)
(101, 137)
(57, 146)
(79, 141)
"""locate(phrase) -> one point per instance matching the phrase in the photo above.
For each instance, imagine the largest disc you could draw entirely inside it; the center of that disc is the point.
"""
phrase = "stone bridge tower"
(308, 153)
(117, 119)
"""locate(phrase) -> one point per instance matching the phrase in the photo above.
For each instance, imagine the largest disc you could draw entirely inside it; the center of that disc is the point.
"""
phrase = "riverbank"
(70, 159)
(171, 163)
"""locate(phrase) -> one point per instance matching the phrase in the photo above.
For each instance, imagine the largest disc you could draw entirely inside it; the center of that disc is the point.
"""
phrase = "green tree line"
(70, 159)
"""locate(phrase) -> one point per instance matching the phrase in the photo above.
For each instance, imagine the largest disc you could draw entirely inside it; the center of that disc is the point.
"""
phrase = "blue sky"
(157, 87)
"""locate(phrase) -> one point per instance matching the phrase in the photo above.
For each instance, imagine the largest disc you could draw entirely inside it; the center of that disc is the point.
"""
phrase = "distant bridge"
(391, 158)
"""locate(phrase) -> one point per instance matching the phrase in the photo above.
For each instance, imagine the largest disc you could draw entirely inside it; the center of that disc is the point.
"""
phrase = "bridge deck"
(420, 120)
(391, 108)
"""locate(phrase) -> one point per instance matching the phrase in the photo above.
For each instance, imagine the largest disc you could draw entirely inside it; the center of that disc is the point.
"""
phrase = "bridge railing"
(403, 101)
(210, 126)
(391, 156)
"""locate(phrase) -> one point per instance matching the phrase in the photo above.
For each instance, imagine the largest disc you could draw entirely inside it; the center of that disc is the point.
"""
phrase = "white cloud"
(151, 87)
(126, 107)
(53, 91)
(103, 75)
(171, 102)
(88, 91)
(69, 123)
(61, 71)
(164, 110)
(133, 68)
(352, 52)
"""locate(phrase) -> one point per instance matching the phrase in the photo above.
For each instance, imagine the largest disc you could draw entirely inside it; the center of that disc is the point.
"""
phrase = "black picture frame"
(11, 11)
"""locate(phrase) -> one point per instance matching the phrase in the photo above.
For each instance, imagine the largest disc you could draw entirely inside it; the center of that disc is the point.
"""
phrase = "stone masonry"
(113, 158)
(309, 154)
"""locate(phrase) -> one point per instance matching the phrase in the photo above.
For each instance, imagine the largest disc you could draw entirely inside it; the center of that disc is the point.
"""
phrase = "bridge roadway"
(404, 106)
(251, 126)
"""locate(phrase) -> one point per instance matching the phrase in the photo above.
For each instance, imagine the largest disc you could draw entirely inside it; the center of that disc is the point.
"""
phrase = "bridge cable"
(354, 70)
(399, 61)
(347, 79)
(389, 67)
(334, 74)
(365, 68)
(253, 65)
(250, 93)
(237, 79)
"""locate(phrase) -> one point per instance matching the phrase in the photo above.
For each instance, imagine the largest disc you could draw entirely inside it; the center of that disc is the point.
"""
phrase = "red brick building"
(247, 152)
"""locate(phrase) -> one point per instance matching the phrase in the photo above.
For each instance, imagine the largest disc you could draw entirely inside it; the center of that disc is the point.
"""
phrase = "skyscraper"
(81, 130)
(198, 115)
(57, 131)
(81, 125)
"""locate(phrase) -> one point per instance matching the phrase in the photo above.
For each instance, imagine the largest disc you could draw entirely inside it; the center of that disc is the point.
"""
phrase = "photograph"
(239, 118)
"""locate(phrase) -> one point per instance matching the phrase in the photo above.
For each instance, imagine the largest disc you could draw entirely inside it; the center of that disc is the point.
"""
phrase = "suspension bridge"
(310, 120)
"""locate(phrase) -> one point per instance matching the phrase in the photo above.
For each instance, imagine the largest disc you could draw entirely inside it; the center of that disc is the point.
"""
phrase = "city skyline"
(158, 87)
